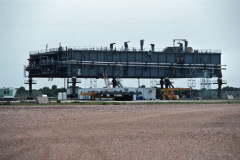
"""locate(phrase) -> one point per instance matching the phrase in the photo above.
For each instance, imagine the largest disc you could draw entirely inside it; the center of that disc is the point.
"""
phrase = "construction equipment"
(168, 93)
(93, 95)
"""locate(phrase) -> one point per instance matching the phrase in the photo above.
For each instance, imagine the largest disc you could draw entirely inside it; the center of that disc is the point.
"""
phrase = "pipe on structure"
(186, 46)
(152, 47)
(126, 45)
(111, 46)
(154, 65)
(141, 44)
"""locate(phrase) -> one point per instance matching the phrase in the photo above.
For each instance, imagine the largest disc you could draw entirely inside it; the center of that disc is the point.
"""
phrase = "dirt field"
(127, 132)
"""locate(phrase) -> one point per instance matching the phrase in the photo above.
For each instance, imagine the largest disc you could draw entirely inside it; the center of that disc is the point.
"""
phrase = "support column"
(168, 83)
(220, 87)
(162, 83)
(64, 83)
(30, 82)
(114, 82)
(74, 82)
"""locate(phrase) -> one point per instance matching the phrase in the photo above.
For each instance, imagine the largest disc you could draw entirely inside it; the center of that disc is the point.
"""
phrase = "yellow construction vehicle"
(168, 93)
(93, 95)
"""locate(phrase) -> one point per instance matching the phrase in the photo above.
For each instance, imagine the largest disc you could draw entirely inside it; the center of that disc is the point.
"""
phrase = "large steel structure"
(177, 61)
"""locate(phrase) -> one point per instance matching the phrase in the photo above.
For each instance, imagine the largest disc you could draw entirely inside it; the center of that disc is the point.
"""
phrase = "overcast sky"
(27, 25)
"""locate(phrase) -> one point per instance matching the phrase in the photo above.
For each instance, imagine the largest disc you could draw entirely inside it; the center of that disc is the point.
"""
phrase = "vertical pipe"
(152, 47)
(126, 46)
(141, 44)
(111, 46)
(186, 46)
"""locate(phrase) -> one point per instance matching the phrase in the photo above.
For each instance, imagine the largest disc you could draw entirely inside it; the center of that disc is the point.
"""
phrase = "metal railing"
(33, 81)
(207, 51)
(216, 81)
(82, 48)
(87, 48)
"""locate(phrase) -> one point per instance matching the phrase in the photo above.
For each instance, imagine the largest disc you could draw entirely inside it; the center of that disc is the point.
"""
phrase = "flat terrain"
(127, 132)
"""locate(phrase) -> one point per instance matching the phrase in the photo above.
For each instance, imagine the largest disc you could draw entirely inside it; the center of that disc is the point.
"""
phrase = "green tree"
(54, 87)
(45, 88)
(21, 89)
(21, 92)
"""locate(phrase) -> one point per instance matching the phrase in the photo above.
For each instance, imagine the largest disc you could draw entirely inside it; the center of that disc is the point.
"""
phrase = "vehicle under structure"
(168, 93)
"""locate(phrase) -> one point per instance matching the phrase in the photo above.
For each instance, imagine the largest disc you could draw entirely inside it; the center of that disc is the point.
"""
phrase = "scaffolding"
(153, 83)
(119, 76)
(93, 83)
(206, 85)
(192, 83)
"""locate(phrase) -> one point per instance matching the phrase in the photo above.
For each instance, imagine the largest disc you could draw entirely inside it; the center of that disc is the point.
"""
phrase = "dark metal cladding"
(172, 62)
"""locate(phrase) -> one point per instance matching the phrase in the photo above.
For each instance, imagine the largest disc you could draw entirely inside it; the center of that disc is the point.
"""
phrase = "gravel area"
(121, 132)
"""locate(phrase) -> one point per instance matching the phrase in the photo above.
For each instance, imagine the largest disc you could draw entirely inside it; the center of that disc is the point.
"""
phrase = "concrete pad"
(230, 97)
(42, 100)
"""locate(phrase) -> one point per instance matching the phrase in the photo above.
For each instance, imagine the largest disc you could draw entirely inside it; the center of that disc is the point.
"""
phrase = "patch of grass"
(155, 103)
(125, 103)
(4, 103)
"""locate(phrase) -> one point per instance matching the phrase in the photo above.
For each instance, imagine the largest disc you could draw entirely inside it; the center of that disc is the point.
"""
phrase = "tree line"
(50, 92)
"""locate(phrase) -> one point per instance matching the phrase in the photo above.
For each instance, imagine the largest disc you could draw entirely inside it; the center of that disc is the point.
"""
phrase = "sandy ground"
(127, 132)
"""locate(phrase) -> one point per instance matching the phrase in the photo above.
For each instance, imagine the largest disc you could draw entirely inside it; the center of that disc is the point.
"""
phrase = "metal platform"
(171, 62)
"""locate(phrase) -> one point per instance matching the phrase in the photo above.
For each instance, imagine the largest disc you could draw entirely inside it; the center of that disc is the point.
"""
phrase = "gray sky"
(27, 25)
